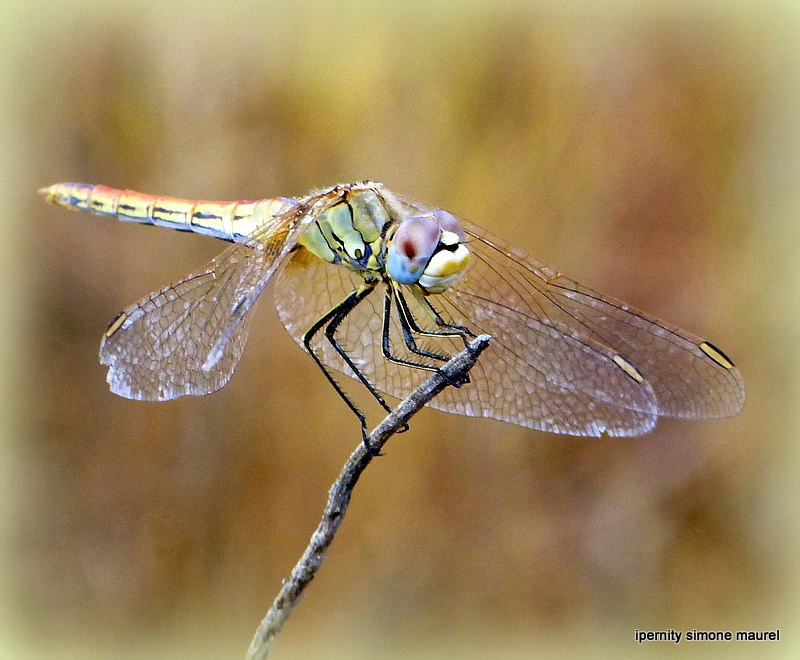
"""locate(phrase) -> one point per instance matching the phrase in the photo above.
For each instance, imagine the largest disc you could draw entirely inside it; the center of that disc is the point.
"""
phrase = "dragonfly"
(385, 289)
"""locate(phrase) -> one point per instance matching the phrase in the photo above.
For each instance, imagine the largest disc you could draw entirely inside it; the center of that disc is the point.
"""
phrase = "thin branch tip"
(340, 492)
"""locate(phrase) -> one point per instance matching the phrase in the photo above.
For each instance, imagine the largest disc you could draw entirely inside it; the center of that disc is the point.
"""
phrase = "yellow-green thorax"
(351, 233)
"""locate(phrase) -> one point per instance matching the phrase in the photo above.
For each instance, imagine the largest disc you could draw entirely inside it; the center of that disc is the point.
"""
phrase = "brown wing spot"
(116, 323)
(628, 368)
(717, 355)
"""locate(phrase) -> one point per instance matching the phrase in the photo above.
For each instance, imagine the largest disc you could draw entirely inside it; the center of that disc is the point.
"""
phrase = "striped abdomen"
(229, 221)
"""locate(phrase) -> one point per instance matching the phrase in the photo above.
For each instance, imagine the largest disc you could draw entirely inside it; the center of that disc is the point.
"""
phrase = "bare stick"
(454, 371)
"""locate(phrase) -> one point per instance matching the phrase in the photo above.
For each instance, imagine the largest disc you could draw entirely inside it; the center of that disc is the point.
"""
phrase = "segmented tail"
(229, 221)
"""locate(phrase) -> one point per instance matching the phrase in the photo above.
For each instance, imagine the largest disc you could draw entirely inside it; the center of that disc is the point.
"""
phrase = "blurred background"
(648, 149)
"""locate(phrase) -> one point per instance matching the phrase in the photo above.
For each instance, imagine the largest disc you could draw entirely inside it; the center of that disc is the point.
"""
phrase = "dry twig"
(454, 371)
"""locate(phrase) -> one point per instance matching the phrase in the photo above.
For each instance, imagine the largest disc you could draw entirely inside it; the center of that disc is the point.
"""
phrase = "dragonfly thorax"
(350, 233)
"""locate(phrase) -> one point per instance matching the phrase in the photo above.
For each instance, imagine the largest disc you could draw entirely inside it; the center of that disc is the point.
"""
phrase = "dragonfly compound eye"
(447, 222)
(411, 248)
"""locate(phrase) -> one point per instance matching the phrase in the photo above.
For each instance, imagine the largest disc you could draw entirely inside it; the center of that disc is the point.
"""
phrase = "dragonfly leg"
(331, 321)
(409, 326)
(450, 328)
(447, 329)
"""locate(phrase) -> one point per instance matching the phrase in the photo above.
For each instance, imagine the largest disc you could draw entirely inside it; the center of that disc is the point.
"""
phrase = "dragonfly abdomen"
(229, 221)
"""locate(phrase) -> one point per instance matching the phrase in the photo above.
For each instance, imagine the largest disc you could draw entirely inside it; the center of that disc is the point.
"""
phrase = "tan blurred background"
(649, 149)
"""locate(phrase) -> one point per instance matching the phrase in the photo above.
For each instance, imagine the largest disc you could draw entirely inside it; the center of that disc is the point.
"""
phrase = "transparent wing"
(188, 337)
(307, 287)
(550, 365)
(508, 294)
(503, 385)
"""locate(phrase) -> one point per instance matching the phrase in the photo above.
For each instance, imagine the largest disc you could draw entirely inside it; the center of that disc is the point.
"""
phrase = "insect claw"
(372, 451)
(454, 382)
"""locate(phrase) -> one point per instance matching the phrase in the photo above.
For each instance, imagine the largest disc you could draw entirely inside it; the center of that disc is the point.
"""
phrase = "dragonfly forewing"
(187, 338)
(689, 377)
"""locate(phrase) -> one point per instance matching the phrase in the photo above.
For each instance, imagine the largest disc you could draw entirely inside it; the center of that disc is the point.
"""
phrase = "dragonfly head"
(428, 250)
